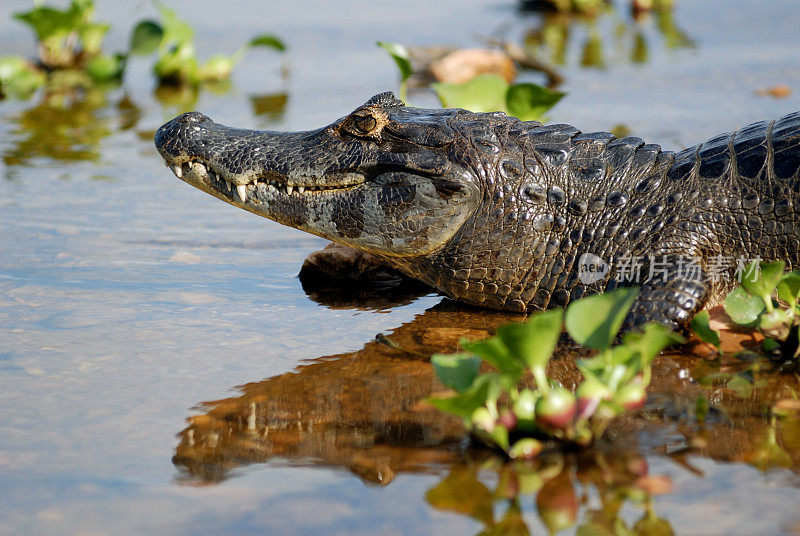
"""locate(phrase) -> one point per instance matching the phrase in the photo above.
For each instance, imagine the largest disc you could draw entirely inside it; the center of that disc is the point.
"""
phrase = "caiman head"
(384, 179)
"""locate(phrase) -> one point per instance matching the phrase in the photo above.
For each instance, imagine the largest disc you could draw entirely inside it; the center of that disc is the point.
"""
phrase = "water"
(127, 298)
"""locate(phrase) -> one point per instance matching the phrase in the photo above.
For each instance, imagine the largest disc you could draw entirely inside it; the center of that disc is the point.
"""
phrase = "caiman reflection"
(364, 411)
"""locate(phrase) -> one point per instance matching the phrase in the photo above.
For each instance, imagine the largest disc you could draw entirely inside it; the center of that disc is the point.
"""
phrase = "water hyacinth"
(498, 409)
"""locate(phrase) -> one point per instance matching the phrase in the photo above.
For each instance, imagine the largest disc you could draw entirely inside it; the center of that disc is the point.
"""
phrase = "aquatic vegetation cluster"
(496, 495)
(592, 7)
(752, 305)
(70, 41)
(502, 410)
(483, 93)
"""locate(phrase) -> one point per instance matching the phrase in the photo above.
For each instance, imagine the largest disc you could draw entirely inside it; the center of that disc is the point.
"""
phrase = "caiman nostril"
(192, 117)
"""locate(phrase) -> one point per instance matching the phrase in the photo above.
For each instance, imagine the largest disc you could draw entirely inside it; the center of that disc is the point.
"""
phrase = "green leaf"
(18, 78)
(768, 279)
(527, 447)
(399, 54)
(789, 288)
(621, 354)
(592, 366)
(484, 93)
(91, 35)
(656, 337)
(494, 351)
(500, 436)
(529, 102)
(269, 41)
(647, 344)
(145, 38)
(218, 67)
(456, 371)
(702, 327)
(463, 404)
(534, 340)
(176, 31)
(103, 68)
(178, 65)
(743, 307)
(595, 321)
(11, 66)
(47, 21)
(770, 345)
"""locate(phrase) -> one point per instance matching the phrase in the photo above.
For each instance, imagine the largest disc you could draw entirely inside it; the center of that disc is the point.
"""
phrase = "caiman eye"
(364, 123)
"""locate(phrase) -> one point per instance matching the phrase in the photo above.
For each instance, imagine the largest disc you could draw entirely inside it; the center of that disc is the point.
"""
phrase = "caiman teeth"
(205, 171)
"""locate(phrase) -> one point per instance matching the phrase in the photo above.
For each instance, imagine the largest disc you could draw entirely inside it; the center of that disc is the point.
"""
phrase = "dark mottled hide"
(498, 212)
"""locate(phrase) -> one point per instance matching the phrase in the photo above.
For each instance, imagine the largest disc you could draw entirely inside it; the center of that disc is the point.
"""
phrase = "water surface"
(127, 299)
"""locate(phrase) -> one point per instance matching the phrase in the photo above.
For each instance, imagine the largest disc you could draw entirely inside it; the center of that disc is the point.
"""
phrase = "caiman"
(515, 215)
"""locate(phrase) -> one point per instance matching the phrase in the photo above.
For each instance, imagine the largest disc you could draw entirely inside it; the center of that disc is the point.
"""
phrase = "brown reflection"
(129, 113)
(745, 423)
(364, 411)
(360, 410)
(270, 106)
(494, 493)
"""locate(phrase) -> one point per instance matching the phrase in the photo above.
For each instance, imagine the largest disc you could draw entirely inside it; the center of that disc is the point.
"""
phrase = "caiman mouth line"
(205, 171)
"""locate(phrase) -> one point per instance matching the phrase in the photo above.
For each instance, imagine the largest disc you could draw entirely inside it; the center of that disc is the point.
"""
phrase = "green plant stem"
(541, 379)
(647, 374)
(614, 378)
(239, 54)
(403, 87)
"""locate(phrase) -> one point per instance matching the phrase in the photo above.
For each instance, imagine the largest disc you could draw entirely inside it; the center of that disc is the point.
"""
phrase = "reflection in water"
(269, 107)
(66, 124)
(494, 493)
(360, 410)
(555, 35)
(751, 431)
(364, 411)
(340, 277)
(129, 113)
(71, 118)
(177, 99)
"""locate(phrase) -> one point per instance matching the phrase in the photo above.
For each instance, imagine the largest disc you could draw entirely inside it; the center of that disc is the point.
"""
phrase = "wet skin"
(497, 212)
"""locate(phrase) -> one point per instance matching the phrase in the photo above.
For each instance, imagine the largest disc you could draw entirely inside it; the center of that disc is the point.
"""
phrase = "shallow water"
(127, 299)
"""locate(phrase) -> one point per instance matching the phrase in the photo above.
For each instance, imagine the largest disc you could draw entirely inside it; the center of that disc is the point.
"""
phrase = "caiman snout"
(171, 137)
(379, 179)
(192, 117)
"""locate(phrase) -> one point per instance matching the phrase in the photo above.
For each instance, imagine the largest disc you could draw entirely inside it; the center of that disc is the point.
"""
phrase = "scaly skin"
(497, 212)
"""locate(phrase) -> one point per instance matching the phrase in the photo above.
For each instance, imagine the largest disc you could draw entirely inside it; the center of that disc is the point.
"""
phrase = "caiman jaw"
(216, 179)
(396, 196)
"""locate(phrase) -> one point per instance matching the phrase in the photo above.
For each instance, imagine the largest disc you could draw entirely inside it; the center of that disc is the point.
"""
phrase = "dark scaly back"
(748, 188)
(553, 193)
